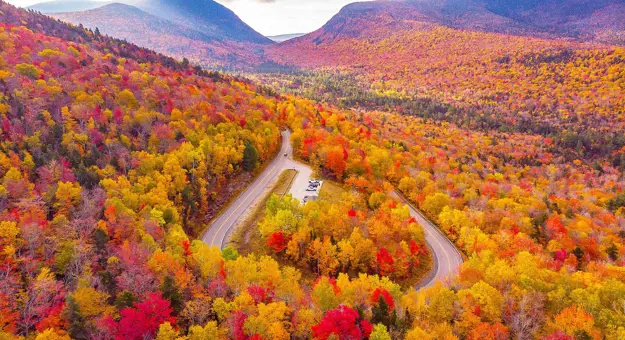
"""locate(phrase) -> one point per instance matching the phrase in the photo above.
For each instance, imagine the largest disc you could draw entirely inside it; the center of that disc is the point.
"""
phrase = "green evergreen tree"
(612, 252)
(380, 312)
(125, 299)
(250, 157)
(582, 335)
(100, 239)
(579, 253)
(172, 294)
(75, 320)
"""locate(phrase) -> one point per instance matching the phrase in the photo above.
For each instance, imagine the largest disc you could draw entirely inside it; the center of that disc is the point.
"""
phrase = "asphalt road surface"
(218, 231)
(447, 258)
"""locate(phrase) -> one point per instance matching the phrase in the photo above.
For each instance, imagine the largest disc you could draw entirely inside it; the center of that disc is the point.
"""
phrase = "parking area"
(312, 190)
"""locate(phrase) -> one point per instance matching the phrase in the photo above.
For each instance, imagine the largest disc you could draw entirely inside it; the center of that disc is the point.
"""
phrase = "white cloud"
(22, 3)
(25, 3)
(285, 16)
(270, 17)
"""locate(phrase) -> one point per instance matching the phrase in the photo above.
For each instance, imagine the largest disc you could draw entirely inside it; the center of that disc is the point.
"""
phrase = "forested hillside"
(202, 47)
(204, 32)
(595, 20)
(113, 158)
(109, 163)
(568, 91)
(55, 28)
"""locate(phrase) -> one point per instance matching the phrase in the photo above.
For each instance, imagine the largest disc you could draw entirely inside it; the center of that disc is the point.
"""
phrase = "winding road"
(447, 258)
(221, 227)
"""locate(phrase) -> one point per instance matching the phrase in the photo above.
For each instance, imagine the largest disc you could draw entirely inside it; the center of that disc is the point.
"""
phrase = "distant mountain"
(600, 20)
(360, 30)
(285, 37)
(114, 19)
(564, 10)
(589, 20)
(491, 66)
(206, 16)
(147, 30)
(366, 19)
(60, 6)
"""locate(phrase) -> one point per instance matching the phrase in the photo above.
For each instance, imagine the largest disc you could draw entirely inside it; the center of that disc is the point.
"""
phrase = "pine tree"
(125, 299)
(380, 312)
(172, 294)
(579, 253)
(75, 320)
(250, 157)
(100, 239)
(612, 252)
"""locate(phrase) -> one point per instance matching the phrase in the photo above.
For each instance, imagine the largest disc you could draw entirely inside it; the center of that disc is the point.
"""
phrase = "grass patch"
(247, 239)
(284, 183)
(331, 191)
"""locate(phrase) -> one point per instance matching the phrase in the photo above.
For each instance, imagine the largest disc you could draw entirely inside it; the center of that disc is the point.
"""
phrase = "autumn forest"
(116, 159)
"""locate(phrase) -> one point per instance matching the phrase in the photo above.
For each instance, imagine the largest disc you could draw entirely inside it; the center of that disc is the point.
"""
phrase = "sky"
(272, 17)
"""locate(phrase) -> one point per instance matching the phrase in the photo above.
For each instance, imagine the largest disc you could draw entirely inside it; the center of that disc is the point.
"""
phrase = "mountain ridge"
(594, 21)
(156, 24)
(60, 6)
(204, 15)
(203, 47)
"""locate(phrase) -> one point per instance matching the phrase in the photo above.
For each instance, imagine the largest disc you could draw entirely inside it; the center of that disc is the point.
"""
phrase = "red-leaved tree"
(344, 323)
(385, 262)
(380, 293)
(278, 241)
(143, 320)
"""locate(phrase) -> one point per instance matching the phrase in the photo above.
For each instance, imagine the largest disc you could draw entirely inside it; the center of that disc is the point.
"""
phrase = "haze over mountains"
(213, 36)
(206, 16)
(111, 18)
(284, 37)
(600, 20)
(60, 6)
(146, 30)
(204, 32)
(578, 19)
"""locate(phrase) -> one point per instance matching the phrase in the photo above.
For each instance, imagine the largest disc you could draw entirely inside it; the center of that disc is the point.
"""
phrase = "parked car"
(311, 189)
(309, 198)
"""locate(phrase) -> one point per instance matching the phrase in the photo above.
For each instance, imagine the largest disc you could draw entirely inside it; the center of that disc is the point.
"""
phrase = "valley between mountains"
(470, 158)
